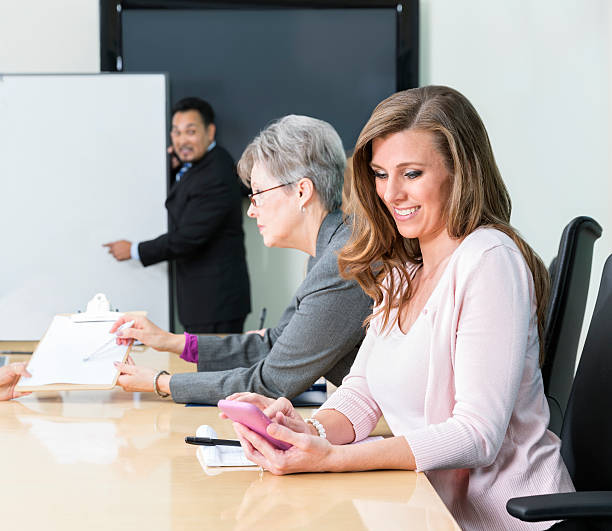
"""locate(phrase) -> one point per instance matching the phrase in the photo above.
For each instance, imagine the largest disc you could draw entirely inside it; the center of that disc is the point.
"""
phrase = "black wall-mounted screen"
(254, 65)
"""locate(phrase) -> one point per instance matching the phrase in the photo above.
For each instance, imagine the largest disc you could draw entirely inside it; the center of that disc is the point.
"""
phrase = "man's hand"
(9, 376)
(121, 249)
(174, 160)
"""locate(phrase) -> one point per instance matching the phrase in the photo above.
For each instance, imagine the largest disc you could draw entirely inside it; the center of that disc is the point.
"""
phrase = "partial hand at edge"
(9, 376)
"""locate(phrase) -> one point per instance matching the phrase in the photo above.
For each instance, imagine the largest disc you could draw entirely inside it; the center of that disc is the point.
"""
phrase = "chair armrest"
(586, 504)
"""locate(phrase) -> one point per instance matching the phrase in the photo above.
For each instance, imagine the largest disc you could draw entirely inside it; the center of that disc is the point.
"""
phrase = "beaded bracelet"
(318, 426)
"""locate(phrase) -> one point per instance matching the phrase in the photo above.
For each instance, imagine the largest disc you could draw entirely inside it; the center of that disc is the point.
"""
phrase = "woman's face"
(277, 211)
(412, 181)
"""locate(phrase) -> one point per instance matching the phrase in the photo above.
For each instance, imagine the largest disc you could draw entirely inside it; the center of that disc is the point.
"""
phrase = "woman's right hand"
(149, 333)
(280, 410)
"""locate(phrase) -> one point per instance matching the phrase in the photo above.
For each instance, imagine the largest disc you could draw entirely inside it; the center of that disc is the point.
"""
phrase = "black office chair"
(570, 273)
(586, 436)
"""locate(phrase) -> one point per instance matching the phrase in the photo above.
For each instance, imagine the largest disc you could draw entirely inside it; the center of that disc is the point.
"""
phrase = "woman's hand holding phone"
(280, 411)
(308, 453)
(252, 417)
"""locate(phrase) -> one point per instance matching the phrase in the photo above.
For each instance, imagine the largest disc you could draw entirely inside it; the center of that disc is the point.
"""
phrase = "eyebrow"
(188, 125)
(401, 164)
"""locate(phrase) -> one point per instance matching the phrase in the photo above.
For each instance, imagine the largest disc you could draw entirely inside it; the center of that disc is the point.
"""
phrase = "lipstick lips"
(405, 213)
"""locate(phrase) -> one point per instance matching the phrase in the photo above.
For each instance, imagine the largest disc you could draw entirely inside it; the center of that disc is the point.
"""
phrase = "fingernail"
(119, 333)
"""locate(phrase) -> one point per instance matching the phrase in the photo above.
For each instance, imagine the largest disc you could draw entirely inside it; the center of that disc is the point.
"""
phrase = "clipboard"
(58, 362)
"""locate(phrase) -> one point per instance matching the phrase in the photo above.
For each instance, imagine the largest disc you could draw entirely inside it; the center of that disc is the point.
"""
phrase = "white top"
(393, 356)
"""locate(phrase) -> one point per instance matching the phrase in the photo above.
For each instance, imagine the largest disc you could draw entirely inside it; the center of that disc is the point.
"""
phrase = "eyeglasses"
(257, 202)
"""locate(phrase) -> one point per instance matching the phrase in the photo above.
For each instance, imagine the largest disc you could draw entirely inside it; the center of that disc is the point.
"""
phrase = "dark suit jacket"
(207, 242)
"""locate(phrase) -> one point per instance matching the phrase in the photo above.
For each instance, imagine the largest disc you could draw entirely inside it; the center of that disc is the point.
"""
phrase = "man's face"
(190, 138)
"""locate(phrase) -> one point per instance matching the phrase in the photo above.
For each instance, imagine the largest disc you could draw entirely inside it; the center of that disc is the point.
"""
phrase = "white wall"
(539, 74)
(538, 71)
(39, 36)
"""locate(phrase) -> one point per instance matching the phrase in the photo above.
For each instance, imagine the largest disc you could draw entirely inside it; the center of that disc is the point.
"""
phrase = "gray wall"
(256, 65)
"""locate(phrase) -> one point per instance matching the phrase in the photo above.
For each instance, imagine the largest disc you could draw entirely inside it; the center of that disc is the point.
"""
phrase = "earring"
(303, 209)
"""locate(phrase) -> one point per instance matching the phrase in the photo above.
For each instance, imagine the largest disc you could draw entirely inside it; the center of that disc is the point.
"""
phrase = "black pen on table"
(208, 441)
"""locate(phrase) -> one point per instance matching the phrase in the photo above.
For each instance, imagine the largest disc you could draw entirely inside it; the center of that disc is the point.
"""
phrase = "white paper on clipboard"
(59, 356)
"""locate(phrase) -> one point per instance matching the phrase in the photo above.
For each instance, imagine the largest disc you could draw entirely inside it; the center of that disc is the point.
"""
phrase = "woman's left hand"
(309, 453)
(135, 378)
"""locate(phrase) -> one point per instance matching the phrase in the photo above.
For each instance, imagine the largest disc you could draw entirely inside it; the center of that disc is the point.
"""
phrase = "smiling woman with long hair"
(452, 353)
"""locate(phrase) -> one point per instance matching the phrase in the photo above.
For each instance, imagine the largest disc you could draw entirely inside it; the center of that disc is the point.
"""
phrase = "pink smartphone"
(252, 417)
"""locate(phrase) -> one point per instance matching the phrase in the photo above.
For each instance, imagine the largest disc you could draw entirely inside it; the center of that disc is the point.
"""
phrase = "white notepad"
(220, 455)
(59, 356)
(232, 456)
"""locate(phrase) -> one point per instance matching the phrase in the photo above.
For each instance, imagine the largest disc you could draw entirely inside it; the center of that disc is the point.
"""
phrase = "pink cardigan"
(485, 438)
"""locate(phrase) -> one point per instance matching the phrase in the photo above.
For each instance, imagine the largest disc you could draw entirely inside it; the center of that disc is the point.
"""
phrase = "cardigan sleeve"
(494, 312)
(353, 398)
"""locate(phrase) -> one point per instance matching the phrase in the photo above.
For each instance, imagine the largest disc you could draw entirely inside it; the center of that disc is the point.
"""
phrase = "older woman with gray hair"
(296, 170)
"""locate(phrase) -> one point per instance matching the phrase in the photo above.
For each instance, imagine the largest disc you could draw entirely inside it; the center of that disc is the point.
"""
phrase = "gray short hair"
(294, 147)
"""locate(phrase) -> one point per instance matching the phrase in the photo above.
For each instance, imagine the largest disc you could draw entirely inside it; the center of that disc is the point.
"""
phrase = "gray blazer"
(318, 335)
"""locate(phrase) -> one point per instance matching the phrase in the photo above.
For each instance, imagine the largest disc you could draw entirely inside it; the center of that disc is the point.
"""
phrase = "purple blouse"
(190, 352)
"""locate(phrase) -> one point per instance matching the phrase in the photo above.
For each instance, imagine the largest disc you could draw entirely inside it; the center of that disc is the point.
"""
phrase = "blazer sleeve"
(325, 327)
(495, 311)
(205, 211)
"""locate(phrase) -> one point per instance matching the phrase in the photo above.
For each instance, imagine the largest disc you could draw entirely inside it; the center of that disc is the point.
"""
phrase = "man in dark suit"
(205, 236)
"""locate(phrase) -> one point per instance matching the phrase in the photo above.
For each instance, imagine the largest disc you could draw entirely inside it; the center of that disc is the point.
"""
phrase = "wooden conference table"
(117, 460)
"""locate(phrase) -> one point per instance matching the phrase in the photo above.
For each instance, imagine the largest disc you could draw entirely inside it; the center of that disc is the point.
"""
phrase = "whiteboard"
(82, 163)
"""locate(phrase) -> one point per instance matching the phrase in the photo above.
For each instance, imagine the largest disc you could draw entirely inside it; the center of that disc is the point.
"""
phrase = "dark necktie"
(184, 168)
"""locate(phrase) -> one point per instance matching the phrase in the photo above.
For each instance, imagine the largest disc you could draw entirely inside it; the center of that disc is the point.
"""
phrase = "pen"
(15, 352)
(207, 441)
(101, 348)
(262, 317)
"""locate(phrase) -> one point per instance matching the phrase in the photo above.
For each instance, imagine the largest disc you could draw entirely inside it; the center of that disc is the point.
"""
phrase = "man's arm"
(202, 217)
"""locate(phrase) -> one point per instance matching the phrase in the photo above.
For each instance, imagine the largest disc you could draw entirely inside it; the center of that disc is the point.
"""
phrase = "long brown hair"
(478, 197)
